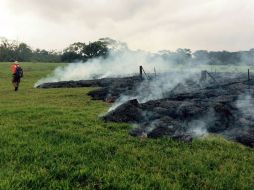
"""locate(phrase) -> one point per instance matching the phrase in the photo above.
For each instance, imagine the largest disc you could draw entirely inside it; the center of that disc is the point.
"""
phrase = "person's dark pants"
(15, 82)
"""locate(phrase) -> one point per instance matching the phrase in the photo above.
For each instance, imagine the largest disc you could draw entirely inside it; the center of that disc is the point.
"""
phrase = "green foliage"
(79, 51)
(23, 52)
(224, 57)
(53, 139)
(82, 52)
(45, 56)
(12, 50)
(7, 50)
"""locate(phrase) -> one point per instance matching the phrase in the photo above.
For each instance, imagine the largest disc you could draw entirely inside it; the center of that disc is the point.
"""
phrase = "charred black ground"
(111, 88)
(221, 105)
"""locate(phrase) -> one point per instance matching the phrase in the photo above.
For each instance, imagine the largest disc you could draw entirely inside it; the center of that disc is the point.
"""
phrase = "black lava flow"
(223, 107)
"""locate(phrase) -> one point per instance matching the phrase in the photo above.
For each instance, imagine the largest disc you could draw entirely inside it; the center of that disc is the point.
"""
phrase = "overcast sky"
(144, 24)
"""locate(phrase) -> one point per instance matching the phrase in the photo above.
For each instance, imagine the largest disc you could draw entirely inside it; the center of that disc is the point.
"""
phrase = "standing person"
(17, 74)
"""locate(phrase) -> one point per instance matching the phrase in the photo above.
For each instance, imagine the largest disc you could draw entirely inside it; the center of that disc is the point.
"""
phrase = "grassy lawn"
(53, 139)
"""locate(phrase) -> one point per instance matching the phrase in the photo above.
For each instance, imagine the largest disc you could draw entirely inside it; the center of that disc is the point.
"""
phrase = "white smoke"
(122, 62)
(199, 127)
(157, 88)
(245, 104)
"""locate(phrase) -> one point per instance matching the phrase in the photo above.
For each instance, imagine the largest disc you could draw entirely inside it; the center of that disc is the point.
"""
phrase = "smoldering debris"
(103, 82)
(111, 88)
(183, 111)
(188, 112)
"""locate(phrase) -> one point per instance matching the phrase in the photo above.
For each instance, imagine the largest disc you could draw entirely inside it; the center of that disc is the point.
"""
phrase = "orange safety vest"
(14, 68)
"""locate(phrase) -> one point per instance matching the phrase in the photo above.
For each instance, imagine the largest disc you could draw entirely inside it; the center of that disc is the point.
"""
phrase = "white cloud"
(143, 24)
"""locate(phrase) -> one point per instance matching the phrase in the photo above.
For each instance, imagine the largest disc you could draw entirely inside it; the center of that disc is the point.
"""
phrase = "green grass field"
(53, 139)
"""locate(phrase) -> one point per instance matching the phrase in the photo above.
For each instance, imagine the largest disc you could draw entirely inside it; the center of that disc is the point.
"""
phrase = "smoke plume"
(155, 88)
(119, 62)
(245, 104)
(122, 61)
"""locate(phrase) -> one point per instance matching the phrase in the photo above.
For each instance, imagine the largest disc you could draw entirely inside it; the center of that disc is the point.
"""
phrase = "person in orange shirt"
(17, 74)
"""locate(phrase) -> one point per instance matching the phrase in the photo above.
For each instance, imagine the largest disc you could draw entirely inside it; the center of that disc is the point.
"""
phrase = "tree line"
(13, 50)
(79, 51)
(209, 57)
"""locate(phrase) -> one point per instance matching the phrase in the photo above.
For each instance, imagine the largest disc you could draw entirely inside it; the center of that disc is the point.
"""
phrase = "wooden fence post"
(203, 76)
(141, 72)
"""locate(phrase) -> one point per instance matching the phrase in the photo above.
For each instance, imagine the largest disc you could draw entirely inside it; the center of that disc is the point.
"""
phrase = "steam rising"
(198, 127)
(154, 89)
(245, 104)
(125, 62)
(120, 62)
